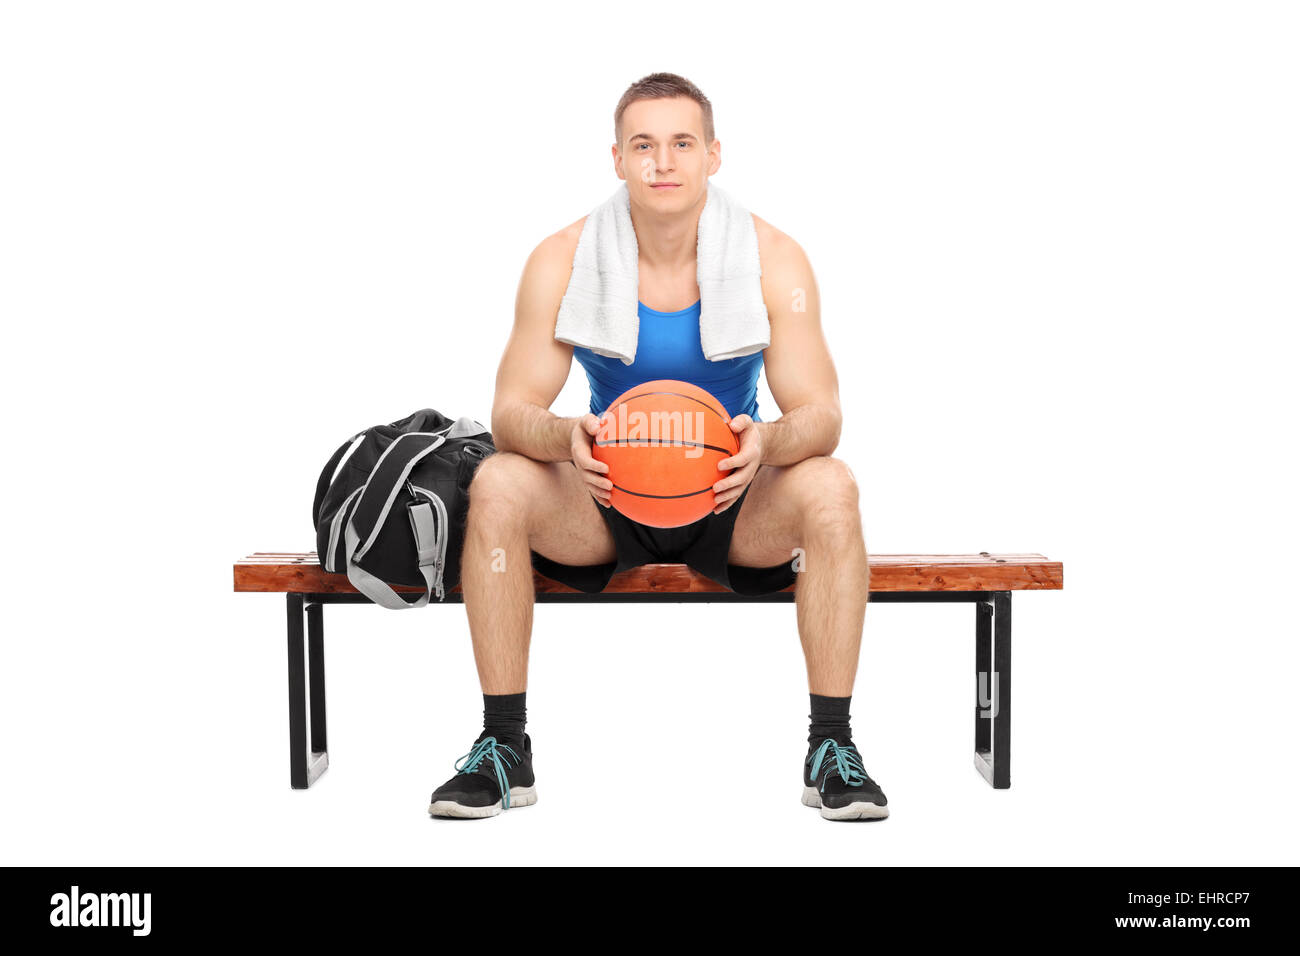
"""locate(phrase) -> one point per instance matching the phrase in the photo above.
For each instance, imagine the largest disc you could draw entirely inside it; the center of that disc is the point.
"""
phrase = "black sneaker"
(483, 775)
(835, 781)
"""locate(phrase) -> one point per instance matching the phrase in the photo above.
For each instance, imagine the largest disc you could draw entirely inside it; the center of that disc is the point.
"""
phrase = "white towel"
(599, 308)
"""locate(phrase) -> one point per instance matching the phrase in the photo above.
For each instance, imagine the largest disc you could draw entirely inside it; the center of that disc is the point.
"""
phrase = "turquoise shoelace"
(844, 760)
(499, 755)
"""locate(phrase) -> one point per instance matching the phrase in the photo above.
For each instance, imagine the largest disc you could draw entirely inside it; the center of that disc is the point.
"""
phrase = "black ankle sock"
(503, 718)
(829, 718)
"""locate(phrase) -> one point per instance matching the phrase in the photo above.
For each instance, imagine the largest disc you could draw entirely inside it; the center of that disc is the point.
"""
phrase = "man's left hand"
(745, 462)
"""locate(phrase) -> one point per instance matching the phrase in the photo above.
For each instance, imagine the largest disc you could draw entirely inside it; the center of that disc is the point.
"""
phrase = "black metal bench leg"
(316, 675)
(993, 689)
(305, 766)
(983, 664)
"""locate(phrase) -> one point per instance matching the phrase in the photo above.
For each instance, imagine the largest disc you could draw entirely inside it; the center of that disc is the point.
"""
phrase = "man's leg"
(515, 504)
(813, 506)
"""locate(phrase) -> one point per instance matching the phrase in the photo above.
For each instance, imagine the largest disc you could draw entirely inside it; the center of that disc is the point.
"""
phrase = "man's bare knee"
(829, 492)
(501, 487)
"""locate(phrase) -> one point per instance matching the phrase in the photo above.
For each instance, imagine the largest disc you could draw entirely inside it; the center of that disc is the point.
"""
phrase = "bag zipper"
(443, 534)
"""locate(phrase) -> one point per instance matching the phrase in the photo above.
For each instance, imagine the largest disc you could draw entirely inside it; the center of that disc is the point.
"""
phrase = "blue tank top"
(668, 346)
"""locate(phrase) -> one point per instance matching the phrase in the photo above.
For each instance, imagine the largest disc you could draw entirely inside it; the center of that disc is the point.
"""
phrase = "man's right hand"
(592, 471)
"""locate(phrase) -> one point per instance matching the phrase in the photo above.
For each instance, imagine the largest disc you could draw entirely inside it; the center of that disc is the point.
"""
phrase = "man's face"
(663, 155)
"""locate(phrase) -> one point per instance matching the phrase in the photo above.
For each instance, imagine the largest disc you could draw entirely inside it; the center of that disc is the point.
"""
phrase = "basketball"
(662, 441)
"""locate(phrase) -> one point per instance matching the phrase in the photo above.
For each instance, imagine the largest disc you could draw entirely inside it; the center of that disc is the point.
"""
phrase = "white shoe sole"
(860, 810)
(519, 797)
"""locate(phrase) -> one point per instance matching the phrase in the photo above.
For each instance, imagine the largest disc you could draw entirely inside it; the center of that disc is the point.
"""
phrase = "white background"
(1057, 247)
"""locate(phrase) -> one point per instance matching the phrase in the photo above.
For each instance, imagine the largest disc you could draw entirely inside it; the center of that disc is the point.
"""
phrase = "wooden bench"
(985, 580)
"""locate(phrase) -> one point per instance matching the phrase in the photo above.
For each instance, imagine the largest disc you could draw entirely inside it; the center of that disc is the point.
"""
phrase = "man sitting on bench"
(543, 502)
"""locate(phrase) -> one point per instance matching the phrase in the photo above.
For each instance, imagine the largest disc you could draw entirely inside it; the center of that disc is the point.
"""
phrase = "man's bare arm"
(534, 366)
(800, 372)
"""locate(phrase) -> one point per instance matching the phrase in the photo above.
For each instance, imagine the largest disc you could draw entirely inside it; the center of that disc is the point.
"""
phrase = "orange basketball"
(662, 442)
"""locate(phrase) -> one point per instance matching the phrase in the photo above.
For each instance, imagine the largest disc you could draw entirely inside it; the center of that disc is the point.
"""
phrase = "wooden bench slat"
(300, 572)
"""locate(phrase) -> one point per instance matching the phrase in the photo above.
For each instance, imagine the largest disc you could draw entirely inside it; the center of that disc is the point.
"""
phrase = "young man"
(788, 513)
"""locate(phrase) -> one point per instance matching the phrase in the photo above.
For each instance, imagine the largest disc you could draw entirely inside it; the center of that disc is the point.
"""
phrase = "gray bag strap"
(392, 469)
(425, 530)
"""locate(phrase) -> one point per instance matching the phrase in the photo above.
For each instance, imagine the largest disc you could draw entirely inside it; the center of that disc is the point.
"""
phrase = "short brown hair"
(664, 86)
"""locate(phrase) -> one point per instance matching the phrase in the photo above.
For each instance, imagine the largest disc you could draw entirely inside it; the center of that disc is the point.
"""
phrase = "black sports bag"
(390, 505)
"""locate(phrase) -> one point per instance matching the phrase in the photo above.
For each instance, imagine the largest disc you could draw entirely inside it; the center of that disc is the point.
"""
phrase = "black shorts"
(702, 546)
